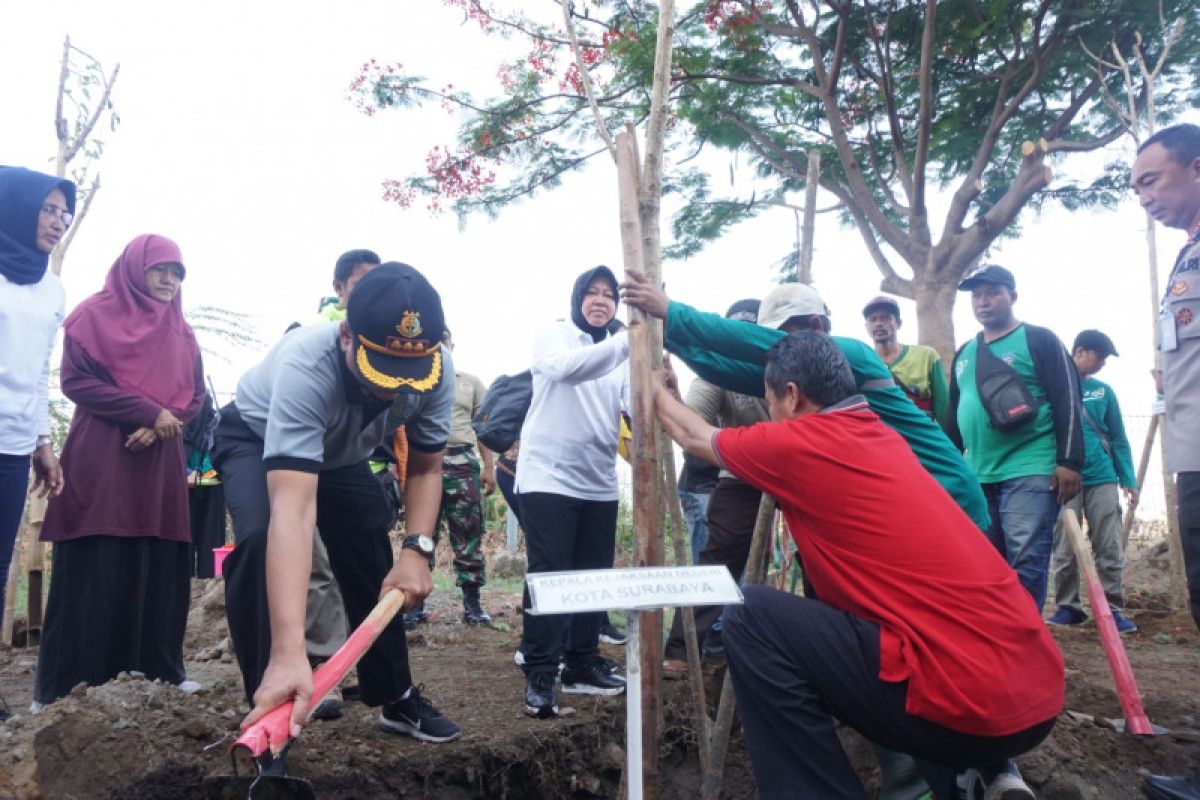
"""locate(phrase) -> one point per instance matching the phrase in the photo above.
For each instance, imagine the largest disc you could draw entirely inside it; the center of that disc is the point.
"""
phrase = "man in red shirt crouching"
(923, 639)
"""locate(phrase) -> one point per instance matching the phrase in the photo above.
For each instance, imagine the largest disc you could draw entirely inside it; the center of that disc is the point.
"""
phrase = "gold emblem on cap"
(391, 383)
(410, 325)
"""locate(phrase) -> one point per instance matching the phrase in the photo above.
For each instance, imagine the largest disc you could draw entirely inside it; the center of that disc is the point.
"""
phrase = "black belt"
(458, 451)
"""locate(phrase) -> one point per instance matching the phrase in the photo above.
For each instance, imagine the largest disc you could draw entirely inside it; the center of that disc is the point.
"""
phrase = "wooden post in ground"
(695, 674)
(647, 498)
(1143, 465)
(755, 571)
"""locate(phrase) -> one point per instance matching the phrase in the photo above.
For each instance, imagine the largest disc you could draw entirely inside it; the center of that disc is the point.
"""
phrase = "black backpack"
(498, 421)
(198, 433)
(1004, 396)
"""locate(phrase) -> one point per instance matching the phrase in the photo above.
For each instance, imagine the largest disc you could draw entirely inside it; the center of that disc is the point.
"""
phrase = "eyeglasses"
(66, 217)
(174, 270)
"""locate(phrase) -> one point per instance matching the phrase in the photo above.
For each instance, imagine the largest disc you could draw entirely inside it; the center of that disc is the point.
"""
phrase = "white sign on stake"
(631, 588)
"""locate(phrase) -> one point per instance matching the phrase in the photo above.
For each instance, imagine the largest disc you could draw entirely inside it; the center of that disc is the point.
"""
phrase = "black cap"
(396, 318)
(882, 303)
(1096, 341)
(745, 310)
(992, 273)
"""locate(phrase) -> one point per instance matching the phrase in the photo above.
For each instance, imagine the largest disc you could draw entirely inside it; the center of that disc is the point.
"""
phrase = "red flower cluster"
(541, 60)
(732, 17)
(474, 11)
(370, 75)
(457, 175)
(396, 192)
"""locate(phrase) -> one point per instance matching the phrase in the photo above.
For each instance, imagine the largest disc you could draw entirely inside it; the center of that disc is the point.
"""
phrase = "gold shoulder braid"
(388, 382)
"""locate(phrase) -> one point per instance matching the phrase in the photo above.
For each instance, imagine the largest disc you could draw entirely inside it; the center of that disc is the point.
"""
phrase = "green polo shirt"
(997, 455)
(731, 354)
(1101, 466)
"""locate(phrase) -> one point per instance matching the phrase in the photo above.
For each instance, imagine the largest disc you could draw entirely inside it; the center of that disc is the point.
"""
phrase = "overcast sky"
(237, 140)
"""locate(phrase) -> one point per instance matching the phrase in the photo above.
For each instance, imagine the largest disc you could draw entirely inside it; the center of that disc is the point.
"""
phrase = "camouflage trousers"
(462, 512)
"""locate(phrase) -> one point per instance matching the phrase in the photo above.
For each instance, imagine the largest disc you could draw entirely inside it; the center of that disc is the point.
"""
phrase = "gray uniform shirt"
(725, 409)
(305, 405)
(1181, 364)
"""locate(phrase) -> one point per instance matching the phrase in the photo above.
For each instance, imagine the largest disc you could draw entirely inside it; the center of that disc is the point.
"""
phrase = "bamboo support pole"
(755, 571)
(1143, 465)
(695, 674)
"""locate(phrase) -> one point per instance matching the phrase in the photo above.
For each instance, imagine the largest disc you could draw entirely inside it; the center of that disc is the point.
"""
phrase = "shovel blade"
(261, 787)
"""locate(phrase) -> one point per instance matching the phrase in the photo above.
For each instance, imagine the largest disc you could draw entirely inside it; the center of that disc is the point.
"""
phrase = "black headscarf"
(581, 285)
(22, 193)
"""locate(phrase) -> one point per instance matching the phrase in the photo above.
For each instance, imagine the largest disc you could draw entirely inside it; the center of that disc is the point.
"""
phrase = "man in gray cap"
(1108, 461)
(917, 369)
(1166, 180)
(1015, 412)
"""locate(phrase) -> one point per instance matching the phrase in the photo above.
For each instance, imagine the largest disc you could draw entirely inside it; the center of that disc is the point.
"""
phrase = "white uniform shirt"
(569, 439)
(30, 316)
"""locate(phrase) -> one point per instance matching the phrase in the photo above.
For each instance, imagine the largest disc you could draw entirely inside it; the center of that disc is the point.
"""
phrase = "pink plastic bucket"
(219, 554)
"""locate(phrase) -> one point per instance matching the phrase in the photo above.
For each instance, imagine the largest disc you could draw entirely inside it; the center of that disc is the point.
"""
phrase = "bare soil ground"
(136, 739)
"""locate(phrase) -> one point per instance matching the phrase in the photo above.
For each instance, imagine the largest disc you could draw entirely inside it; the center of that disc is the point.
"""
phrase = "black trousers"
(564, 533)
(117, 603)
(798, 663)
(206, 508)
(732, 511)
(353, 520)
(1189, 531)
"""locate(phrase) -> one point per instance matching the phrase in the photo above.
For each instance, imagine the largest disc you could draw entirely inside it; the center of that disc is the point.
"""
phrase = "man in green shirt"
(1108, 461)
(731, 353)
(917, 369)
(1029, 470)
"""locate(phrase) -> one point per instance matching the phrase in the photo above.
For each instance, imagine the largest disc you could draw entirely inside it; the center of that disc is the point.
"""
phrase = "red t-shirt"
(882, 540)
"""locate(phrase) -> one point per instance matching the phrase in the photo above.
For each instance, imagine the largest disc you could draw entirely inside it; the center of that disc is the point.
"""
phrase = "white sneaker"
(519, 658)
(36, 708)
(1008, 786)
(189, 687)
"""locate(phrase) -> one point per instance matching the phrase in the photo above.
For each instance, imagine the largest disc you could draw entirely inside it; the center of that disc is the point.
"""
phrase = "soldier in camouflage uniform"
(466, 467)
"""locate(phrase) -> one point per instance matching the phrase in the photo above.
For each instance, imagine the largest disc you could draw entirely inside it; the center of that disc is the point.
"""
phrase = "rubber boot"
(902, 779)
(473, 613)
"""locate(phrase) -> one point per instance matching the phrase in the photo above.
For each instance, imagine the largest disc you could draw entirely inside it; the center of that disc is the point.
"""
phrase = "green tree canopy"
(978, 99)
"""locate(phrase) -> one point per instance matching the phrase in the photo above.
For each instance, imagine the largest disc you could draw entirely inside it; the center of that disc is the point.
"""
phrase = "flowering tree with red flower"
(900, 98)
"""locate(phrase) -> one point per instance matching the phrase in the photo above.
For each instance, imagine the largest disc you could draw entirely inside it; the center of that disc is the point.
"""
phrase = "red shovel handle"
(1136, 720)
(272, 731)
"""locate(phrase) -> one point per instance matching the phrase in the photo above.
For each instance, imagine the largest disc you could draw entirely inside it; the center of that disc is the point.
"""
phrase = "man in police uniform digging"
(292, 450)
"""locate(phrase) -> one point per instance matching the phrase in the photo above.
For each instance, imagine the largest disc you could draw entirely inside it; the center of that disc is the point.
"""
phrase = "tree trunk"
(935, 315)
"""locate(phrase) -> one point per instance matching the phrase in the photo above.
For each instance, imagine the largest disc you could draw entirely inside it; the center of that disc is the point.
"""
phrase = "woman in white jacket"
(568, 482)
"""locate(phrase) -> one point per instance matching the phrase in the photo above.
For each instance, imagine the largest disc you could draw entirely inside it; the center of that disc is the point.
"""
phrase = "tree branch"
(586, 78)
(924, 121)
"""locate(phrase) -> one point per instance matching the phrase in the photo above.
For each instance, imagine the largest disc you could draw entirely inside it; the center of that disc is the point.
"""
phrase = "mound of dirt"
(132, 738)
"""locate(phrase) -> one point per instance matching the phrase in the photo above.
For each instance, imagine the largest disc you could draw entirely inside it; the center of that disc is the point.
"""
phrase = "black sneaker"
(610, 635)
(712, 643)
(540, 702)
(610, 666)
(591, 678)
(415, 716)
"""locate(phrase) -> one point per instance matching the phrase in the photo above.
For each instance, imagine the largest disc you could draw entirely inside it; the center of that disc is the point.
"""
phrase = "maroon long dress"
(120, 584)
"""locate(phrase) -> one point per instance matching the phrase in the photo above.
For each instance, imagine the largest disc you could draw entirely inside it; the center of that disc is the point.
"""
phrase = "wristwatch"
(418, 542)
(42, 441)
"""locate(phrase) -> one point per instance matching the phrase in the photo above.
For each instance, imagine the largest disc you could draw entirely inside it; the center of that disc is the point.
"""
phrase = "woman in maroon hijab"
(120, 583)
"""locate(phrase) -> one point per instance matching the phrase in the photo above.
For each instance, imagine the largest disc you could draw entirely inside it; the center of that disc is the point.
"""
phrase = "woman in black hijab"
(567, 483)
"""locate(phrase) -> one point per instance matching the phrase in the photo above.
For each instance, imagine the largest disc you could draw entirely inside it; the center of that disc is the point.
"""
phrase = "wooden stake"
(1143, 465)
(691, 642)
(755, 571)
(647, 479)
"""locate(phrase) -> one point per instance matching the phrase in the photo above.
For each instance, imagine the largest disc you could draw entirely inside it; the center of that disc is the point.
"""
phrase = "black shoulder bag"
(1005, 397)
